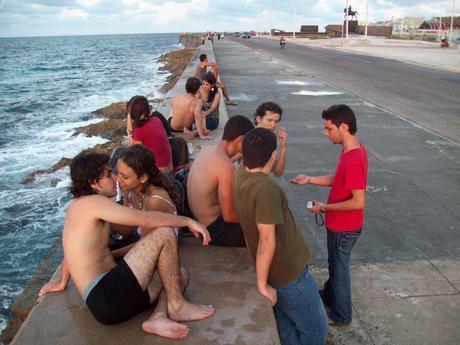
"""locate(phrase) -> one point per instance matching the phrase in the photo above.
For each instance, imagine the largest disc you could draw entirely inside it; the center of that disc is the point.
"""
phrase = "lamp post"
(452, 21)
(365, 27)
(346, 20)
(270, 18)
(295, 19)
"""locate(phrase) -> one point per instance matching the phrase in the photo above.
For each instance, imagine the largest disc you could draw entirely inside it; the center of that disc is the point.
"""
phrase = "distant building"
(407, 24)
(433, 24)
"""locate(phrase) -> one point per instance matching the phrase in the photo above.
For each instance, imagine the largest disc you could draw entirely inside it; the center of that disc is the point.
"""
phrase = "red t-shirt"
(351, 174)
(153, 135)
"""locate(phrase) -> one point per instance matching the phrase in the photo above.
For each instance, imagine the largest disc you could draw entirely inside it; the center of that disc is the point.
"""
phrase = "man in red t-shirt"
(344, 208)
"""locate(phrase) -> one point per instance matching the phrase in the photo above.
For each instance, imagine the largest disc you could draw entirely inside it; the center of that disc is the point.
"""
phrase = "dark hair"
(262, 109)
(236, 125)
(192, 86)
(142, 161)
(209, 77)
(258, 145)
(128, 104)
(85, 169)
(203, 57)
(139, 108)
(341, 113)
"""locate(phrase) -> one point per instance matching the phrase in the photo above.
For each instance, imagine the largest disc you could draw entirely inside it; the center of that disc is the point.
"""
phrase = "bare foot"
(164, 327)
(189, 312)
(189, 134)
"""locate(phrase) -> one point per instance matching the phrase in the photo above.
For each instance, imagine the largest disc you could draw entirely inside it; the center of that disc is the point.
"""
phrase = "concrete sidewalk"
(422, 53)
(405, 267)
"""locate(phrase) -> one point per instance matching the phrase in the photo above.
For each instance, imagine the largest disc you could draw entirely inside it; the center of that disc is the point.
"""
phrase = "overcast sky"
(83, 17)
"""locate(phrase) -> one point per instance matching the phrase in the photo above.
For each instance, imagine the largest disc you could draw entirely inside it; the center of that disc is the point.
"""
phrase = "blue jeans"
(337, 290)
(299, 312)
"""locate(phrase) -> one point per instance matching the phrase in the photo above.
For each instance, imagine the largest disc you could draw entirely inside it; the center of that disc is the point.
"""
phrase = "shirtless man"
(209, 185)
(116, 292)
(186, 111)
(201, 71)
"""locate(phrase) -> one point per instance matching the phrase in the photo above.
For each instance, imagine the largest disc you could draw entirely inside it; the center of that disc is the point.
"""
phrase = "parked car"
(246, 35)
(236, 34)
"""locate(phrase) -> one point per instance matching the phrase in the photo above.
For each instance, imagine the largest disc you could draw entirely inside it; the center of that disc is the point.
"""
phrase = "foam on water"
(49, 86)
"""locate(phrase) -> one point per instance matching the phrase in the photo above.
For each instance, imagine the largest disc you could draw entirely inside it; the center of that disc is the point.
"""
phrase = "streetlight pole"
(270, 18)
(452, 21)
(295, 19)
(365, 28)
(346, 20)
(440, 20)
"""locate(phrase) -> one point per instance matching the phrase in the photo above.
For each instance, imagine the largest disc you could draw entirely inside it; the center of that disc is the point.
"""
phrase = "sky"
(19, 18)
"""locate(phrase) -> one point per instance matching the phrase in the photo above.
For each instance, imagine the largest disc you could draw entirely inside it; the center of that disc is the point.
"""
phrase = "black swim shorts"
(226, 234)
(118, 296)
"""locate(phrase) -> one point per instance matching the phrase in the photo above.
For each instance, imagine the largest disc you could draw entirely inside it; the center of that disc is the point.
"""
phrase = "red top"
(351, 174)
(153, 135)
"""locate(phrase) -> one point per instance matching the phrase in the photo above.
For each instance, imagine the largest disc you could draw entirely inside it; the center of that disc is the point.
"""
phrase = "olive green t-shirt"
(259, 199)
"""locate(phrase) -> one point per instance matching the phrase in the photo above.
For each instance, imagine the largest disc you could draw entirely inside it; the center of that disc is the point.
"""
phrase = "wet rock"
(63, 162)
(175, 62)
(113, 111)
(107, 129)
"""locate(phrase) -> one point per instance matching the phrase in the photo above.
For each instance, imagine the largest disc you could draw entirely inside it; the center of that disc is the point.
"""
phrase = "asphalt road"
(426, 96)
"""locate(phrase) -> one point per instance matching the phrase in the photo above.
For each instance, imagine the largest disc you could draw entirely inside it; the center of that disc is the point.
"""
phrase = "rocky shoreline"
(113, 128)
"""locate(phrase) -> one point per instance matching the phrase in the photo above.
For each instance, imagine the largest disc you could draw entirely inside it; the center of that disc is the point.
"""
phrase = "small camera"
(310, 204)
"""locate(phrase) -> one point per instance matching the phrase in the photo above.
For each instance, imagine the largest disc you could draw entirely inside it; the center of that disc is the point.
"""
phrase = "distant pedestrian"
(277, 245)
(344, 208)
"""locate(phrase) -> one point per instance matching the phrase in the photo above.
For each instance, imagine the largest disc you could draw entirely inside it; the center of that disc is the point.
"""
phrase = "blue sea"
(48, 85)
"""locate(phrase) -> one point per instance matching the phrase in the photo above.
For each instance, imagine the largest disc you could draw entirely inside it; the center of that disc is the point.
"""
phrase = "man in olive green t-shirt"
(276, 243)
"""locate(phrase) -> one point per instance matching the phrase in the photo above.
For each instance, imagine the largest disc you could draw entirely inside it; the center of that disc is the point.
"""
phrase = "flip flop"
(230, 103)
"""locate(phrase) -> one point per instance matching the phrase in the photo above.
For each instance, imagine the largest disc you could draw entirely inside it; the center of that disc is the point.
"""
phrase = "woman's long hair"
(141, 160)
(209, 77)
(139, 109)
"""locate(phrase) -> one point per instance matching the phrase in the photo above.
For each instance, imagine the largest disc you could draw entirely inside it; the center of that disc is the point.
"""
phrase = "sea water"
(48, 86)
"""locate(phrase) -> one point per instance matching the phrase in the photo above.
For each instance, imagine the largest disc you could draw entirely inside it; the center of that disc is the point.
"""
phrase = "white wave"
(316, 93)
(298, 83)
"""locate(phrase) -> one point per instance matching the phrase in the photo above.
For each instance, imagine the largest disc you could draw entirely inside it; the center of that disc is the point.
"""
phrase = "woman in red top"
(149, 131)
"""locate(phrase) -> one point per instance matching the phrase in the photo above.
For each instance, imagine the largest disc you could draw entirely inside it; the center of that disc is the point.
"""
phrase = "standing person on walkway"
(344, 208)
(276, 243)
(268, 115)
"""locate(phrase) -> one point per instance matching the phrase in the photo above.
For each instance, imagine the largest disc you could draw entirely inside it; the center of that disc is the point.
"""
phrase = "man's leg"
(338, 287)
(158, 322)
(225, 93)
(158, 250)
(301, 313)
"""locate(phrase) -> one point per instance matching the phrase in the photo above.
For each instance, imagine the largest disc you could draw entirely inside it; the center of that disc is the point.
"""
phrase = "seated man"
(201, 71)
(186, 111)
(209, 185)
(117, 292)
(276, 243)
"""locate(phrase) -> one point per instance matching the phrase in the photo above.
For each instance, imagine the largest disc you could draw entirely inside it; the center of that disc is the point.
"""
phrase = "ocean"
(48, 86)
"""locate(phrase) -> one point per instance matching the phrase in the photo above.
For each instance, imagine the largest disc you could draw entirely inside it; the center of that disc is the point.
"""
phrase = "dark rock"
(63, 162)
(107, 129)
(175, 62)
(113, 111)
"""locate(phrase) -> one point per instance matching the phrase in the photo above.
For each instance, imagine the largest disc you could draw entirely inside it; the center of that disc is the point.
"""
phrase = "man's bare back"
(183, 111)
(203, 183)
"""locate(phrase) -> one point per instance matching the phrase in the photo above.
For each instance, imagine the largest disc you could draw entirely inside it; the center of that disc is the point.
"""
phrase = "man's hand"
(301, 179)
(268, 292)
(199, 229)
(51, 286)
(205, 137)
(282, 136)
(316, 207)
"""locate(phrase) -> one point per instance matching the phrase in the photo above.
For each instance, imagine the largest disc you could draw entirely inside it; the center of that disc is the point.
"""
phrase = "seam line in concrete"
(442, 275)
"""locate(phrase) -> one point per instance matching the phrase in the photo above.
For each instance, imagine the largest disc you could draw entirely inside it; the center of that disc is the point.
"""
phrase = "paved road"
(412, 210)
(426, 96)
